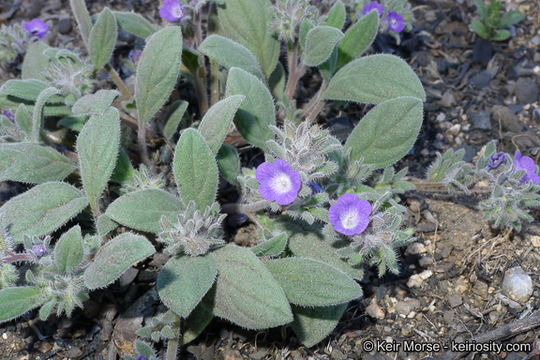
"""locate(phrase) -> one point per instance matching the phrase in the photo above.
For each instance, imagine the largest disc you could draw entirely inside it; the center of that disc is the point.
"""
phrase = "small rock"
(338, 355)
(426, 227)
(526, 91)
(416, 248)
(426, 274)
(441, 117)
(65, 26)
(483, 51)
(455, 300)
(480, 288)
(447, 99)
(536, 116)
(246, 236)
(425, 261)
(482, 79)
(375, 311)
(535, 239)
(504, 116)
(517, 285)
(449, 316)
(415, 281)
(454, 130)
(406, 306)
(481, 120)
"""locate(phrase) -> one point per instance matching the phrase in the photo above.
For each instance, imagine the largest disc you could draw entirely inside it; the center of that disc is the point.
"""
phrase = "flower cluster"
(289, 14)
(172, 10)
(194, 233)
(394, 20)
(14, 41)
(143, 179)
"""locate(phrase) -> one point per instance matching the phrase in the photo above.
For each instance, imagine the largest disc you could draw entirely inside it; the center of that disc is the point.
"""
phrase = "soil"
(449, 287)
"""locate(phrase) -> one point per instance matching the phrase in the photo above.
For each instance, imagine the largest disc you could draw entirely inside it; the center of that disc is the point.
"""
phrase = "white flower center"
(177, 11)
(281, 183)
(350, 219)
(393, 22)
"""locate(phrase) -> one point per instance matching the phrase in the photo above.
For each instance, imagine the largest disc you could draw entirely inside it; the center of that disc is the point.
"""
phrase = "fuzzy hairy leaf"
(28, 90)
(320, 42)
(337, 15)
(142, 210)
(374, 79)
(46, 309)
(80, 12)
(97, 146)
(158, 69)
(511, 17)
(273, 247)
(248, 23)
(115, 257)
(308, 282)
(175, 118)
(68, 251)
(387, 132)
(123, 170)
(217, 120)
(35, 62)
(230, 54)
(102, 38)
(276, 82)
(228, 162)
(95, 103)
(37, 116)
(196, 322)
(42, 209)
(246, 293)
(358, 38)
(312, 324)
(33, 163)
(135, 24)
(105, 225)
(195, 170)
(308, 245)
(257, 112)
(15, 301)
(184, 281)
(23, 119)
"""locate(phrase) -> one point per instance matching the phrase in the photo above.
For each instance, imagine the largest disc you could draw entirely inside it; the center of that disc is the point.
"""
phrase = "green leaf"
(68, 251)
(102, 38)
(246, 293)
(41, 210)
(228, 162)
(135, 24)
(37, 116)
(80, 12)
(158, 69)
(336, 15)
(481, 8)
(217, 121)
(272, 247)
(312, 324)
(480, 29)
(191, 58)
(175, 118)
(97, 146)
(115, 257)
(46, 309)
(248, 23)
(123, 171)
(105, 225)
(374, 79)
(33, 163)
(511, 18)
(320, 42)
(35, 62)
(257, 111)
(95, 103)
(142, 210)
(230, 54)
(16, 301)
(309, 245)
(197, 321)
(358, 38)
(305, 27)
(184, 281)
(276, 82)
(309, 282)
(195, 170)
(501, 35)
(387, 132)
(75, 123)
(23, 119)
(29, 90)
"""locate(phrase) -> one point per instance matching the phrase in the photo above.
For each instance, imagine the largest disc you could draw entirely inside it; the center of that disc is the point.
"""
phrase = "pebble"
(455, 300)
(425, 261)
(441, 117)
(535, 239)
(526, 91)
(416, 248)
(406, 306)
(517, 285)
(482, 79)
(509, 121)
(480, 288)
(375, 311)
(536, 115)
(65, 26)
(454, 130)
(481, 120)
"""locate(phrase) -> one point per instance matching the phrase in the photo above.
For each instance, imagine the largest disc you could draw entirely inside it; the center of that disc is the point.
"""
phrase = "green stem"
(292, 79)
(172, 345)
(118, 82)
(141, 141)
(214, 72)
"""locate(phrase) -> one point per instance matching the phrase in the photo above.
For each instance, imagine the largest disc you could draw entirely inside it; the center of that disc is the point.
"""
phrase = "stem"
(201, 74)
(172, 345)
(292, 79)
(315, 105)
(141, 141)
(235, 208)
(436, 186)
(118, 82)
(214, 92)
(14, 257)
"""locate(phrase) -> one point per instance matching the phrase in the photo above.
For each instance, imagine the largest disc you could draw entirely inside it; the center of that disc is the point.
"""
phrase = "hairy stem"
(141, 142)
(236, 208)
(172, 344)
(292, 79)
(200, 76)
(316, 104)
(214, 92)
(118, 82)
(12, 257)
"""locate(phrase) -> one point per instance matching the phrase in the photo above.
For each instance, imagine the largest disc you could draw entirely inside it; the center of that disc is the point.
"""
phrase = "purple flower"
(39, 250)
(141, 357)
(349, 215)
(172, 10)
(395, 22)
(37, 27)
(527, 164)
(495, 160)
(315, 188)
(278, 182)
(371, 6)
